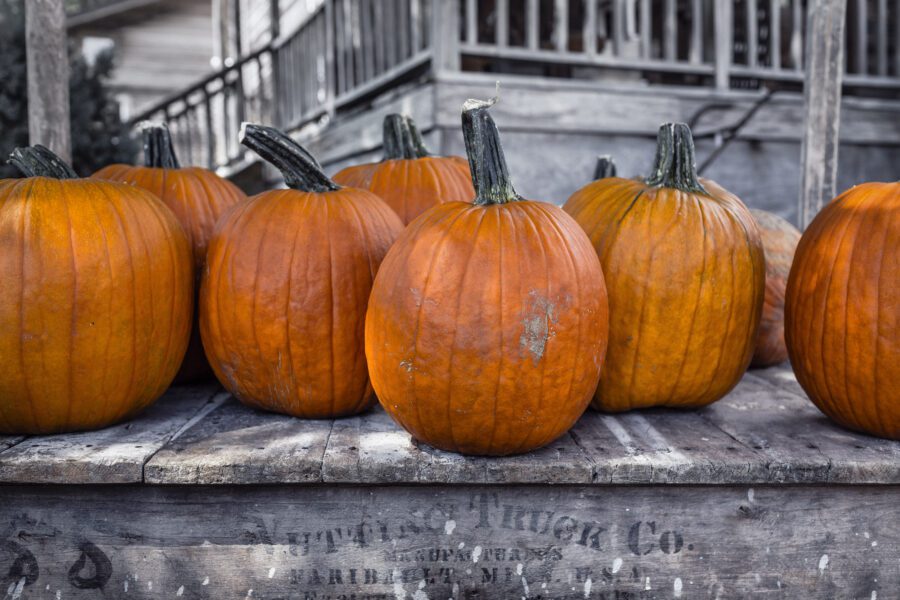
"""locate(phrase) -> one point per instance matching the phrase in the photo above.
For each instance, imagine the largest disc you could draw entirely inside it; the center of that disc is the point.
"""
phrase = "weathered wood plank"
(7, 441)
(237, 445)
(664, 446)
(801, 444)
(822, 105)
(331, 542)
(371, 448)
(113, 455)
(48, 76)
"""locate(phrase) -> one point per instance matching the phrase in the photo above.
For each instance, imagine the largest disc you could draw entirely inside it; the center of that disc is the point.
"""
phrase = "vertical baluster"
(288, 87)
(378, 35)
(349, 54)
(589, 32)
(302, 71)
(227, 114)
(618, 23)
(646, 30)
(387, 37)
(561, 24)
(403, 29)
(241, 95)
(724, 32)
(797, 35)
(330, 60)
(670, 31)
(501, 23)
(357, 32)
(861, 38)
(188, 141)
(445, 54)
(752, 33)
(471, 21)
(897, 42)
(532, 20)
(696, 50)
(415, 25)
(882, 21)
(340, 79)
(775, 34)
(366, 39)
(210, 139)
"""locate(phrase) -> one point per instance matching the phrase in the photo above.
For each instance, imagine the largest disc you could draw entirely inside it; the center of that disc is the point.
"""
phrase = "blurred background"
(578, 78)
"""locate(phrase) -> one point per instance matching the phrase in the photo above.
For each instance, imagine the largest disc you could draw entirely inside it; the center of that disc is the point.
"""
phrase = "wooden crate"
(757, 496)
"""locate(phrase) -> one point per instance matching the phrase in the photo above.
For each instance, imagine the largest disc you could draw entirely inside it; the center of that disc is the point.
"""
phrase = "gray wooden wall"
(554, 129)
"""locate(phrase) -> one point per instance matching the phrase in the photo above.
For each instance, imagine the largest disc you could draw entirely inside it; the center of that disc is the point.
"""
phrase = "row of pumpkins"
(485, 326)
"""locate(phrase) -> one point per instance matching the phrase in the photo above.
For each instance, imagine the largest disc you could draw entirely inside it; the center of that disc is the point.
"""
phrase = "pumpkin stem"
(417, 141)
(675, 165)
(158, 149)
(398, 143)
(490, 176)
(300, 170)
(606, 167)
(39, 161)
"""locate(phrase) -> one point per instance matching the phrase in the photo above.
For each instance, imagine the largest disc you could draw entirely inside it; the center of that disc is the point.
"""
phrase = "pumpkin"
(487, 325)
(779, 240)
(606, 167)
(96, 301)
(842, 310)
(409, 179)
(198, 197)
(284, 294)
(685, 273)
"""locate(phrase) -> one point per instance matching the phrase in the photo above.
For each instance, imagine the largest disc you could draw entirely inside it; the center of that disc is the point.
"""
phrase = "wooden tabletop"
(764, 431)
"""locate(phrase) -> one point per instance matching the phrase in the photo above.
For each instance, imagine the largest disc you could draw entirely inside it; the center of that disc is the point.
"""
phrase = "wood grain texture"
(764, 432)
(113, 455)
(235, 444)
(821, 105)
(48, 76)
(413, 542)
(800, 444)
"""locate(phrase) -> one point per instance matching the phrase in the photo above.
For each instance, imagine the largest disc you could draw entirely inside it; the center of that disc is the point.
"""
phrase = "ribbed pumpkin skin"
(842, 310)
(487, 327)
(412, 186)
(284, 296)
(198, 198)
(95, 306)
(779, 240)
(685, 274)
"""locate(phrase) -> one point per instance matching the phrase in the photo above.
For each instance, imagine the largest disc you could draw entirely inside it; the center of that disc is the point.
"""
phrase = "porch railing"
(79, 12)
(347, 51)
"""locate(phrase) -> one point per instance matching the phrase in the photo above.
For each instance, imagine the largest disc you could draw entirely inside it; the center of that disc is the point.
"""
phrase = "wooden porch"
(204, 498)
(631, 65)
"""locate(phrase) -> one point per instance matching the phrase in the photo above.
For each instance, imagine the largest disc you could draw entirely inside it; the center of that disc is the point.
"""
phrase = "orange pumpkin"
(487, 324)
(779, 240)
(842, 309)
(409, 179)
(685, 274)
(198, 197)
(96, 301)
(287, 282)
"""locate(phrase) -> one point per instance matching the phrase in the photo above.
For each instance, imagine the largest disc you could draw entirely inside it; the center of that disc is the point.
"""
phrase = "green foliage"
(99, 137)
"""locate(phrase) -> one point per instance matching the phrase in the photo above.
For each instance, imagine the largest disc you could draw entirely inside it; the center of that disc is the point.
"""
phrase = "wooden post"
(445, 35)
(724, 39)
(822, 105)
(48, 76)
